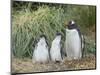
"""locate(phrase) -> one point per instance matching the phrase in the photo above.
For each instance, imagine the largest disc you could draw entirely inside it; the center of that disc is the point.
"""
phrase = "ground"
(26, 66)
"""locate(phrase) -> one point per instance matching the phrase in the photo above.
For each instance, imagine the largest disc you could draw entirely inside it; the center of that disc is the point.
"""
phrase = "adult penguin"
(74, 41)
(55, 50)
(41, 51)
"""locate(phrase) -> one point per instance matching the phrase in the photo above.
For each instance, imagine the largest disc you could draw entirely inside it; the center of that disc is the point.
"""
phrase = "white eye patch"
(72, 22)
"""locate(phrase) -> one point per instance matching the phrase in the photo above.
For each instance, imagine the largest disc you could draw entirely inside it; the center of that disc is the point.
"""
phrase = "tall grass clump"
(28, 26)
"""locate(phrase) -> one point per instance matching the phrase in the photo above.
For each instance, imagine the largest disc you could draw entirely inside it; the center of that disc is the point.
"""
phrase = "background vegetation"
(31, 19)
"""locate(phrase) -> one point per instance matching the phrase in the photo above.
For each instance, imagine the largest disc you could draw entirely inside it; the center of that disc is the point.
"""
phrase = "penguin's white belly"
(55, 53)
(41, 54)
(73, 44)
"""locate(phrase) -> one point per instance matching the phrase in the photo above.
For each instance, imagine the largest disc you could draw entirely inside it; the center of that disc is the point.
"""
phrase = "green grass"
(27, 25)
(30, 25)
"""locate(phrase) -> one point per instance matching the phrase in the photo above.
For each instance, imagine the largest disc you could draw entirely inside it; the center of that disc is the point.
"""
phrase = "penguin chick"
(41, 53)
(55, 50)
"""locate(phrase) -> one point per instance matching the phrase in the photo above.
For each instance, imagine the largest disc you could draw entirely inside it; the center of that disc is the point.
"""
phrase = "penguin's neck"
(58, 39)
(42, 42)
(73, 26)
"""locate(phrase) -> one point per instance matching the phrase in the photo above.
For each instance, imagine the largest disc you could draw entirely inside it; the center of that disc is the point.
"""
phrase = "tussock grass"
(28, 26)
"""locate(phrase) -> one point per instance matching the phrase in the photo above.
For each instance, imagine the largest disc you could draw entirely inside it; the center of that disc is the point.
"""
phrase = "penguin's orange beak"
(65, 24)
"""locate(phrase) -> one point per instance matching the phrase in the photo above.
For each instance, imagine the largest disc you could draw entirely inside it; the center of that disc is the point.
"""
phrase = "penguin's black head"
(43, 36)
(58, 34)
(71, 25)
(72, 22)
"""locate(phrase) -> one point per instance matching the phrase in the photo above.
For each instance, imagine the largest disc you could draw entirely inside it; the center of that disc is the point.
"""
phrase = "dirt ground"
(26, 66)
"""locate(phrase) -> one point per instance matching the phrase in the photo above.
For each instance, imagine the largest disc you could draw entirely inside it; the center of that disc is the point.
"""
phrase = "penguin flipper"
(82, 44)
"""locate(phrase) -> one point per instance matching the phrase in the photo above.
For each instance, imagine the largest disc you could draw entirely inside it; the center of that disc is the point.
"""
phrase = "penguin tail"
(83, 45)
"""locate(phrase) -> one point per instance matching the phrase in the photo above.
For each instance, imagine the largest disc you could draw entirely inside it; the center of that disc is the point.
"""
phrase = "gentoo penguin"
(55, 50)
(73, 42)
(41, 51)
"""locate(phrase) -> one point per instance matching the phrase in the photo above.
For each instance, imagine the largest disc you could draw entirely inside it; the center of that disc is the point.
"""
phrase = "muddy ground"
(25, 65)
